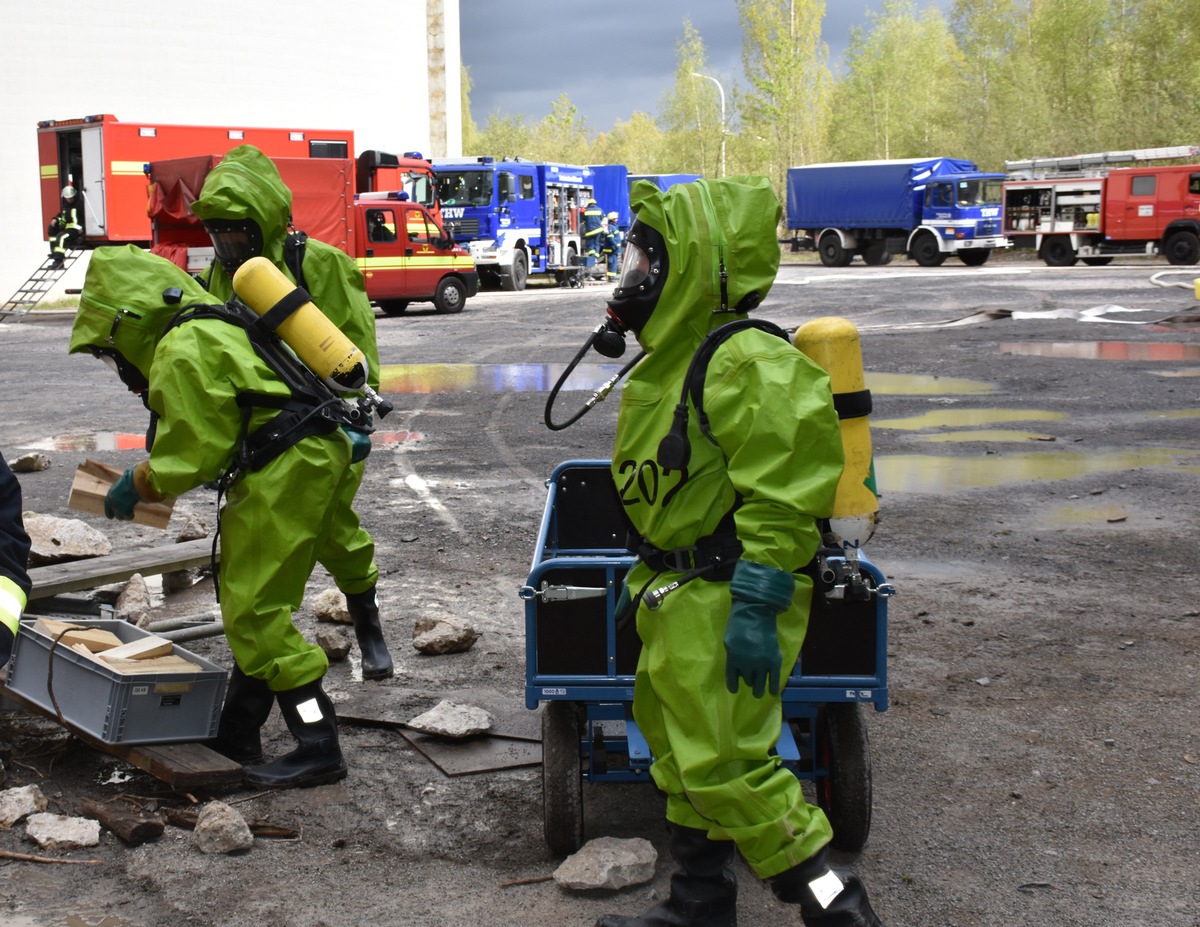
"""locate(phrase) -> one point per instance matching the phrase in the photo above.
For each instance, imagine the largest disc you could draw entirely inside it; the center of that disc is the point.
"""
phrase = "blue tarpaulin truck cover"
(863, 194)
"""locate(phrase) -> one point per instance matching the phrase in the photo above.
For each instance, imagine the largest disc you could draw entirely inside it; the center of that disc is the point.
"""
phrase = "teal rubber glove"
(121, 498)
(360, 444)
(752, 651)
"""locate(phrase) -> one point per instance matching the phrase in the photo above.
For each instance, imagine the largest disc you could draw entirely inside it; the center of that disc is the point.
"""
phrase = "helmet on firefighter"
(612, 217)
(68, 192)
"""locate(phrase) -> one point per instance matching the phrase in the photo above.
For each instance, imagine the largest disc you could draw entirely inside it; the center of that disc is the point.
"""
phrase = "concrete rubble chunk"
(444, 634)
(221, 829)
(134, 604)
(330, 605)
(29, 463)
(334, 642)
(608, 862)
(450, 719)
(193, 529)
(16, 804)
(59, 540)
(59, 832)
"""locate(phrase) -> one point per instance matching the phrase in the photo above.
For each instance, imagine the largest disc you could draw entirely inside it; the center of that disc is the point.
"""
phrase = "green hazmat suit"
(277, 522)
(246, 185)
(778, 448)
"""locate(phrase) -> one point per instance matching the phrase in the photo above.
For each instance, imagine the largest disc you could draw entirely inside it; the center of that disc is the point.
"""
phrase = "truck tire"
(831, 251)
(393, 306)
(975, 257)
(520, 272)
(1057, 252)
(1182, 247)
(925, 251)
(876, 254)
(450, 296)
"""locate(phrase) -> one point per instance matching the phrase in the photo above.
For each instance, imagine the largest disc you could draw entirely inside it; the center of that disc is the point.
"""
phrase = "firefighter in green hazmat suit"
(210, 391)
(246, 209)
(733, 518)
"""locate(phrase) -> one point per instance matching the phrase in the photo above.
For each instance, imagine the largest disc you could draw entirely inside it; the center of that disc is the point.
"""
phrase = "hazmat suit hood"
(246, 185)
(128, 297)
(711, 229)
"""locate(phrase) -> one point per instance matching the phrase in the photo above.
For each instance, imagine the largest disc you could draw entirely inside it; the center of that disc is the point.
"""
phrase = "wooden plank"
(183, 767)
(144, 648)
(91, 484)
(99, 571)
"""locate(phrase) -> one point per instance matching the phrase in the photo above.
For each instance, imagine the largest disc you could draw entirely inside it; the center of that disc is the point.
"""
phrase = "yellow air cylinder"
(319, 343)
(833, 344)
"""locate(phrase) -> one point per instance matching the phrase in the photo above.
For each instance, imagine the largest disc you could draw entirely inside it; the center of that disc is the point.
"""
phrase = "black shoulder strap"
(293, 255)
(674, 450)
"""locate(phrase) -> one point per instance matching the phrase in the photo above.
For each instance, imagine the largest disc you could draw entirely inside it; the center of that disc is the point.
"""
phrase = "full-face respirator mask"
(235, 241)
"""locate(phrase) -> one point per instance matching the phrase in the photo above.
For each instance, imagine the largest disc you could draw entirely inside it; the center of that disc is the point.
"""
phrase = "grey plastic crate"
(116, 708)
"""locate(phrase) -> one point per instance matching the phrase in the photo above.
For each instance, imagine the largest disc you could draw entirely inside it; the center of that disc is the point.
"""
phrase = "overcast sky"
(611, 57)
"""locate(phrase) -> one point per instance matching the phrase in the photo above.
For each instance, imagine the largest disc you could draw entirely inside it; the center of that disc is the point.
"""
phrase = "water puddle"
(921, 473)
(95, 441)
(1104, 350)
(984, 435)
(489, 378)
(965, 418)
(903, 384)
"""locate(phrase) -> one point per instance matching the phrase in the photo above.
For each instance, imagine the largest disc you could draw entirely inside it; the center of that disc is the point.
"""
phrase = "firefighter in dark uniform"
(65, 229)
(593, 233)
(14, 559)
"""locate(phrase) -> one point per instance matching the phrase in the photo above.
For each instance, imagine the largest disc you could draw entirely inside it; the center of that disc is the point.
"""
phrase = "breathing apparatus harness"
(311, 408)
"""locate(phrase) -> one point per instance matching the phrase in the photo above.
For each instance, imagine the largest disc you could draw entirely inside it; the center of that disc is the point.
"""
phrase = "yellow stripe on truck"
(127, 168)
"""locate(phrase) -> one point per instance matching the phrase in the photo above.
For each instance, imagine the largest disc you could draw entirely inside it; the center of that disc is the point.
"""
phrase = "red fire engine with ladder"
(1084, 208)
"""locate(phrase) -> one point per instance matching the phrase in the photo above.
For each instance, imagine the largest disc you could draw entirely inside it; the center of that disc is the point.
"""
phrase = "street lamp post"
(720, 90)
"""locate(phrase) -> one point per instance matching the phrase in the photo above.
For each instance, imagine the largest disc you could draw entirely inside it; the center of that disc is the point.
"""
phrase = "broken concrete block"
(330, 605)
(221, 829)
(29, 463)
(58, 540)
(16, 804)
(608, 862)
(193, 529)
(134, 604)
(450, 719)
(59, 832)
(443, 635)
(334, 642)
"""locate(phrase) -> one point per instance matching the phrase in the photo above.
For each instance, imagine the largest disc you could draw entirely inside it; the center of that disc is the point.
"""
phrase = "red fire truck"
(1079, 208)
(105, 160)
(399, 245)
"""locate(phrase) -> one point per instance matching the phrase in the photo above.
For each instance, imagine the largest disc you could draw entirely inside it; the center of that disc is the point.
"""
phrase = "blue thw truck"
(516, 217)
(926, 208)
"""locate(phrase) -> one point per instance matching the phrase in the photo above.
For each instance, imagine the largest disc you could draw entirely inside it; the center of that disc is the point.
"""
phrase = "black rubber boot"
(827, 897)
(247, 706)
(703, 891)
(317, 760)
(364, 612)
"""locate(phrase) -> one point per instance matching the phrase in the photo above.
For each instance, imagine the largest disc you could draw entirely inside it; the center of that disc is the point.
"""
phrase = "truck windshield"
(418, 187)
(979, 193)
(464, 188)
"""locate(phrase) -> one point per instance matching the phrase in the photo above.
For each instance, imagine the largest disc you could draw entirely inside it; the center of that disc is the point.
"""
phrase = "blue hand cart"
(580, 665)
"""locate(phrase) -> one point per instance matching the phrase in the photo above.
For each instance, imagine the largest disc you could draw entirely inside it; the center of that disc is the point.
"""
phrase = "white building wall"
(301, 63)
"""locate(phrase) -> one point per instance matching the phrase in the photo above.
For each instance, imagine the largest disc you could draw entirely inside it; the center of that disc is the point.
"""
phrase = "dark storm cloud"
(611, 59)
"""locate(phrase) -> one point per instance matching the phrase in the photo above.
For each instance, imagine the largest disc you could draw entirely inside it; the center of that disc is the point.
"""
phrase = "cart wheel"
(845, 794)
(562, 777)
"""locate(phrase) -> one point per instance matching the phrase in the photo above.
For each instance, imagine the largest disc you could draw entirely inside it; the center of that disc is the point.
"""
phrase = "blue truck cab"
(928, 208)
(515, 217)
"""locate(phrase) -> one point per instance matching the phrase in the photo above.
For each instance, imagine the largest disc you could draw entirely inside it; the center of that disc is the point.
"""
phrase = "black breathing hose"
(598, 396)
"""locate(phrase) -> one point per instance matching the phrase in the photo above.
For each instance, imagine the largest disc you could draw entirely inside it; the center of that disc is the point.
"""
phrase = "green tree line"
(993, 80)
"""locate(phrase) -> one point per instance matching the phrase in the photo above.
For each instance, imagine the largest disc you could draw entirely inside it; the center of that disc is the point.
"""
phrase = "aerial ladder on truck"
(1094, 165)
(36, 288)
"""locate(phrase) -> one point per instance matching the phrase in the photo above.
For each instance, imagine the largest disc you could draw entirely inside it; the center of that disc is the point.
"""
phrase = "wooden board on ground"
(58, 578)
(183, 767)
(92, 482)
